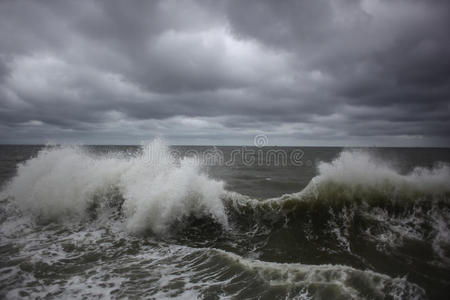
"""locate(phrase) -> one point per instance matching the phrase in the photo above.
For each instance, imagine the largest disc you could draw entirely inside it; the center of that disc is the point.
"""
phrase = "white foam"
(340, 276)
(359, 168)
(61, 183)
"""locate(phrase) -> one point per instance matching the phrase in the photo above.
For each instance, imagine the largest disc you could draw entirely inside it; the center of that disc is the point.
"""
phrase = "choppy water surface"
(102, 222)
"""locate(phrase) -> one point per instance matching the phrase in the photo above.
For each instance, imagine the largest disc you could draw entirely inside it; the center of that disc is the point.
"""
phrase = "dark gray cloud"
(304, 72)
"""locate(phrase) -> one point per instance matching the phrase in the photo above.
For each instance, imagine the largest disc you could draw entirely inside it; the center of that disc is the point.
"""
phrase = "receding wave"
(236, 276)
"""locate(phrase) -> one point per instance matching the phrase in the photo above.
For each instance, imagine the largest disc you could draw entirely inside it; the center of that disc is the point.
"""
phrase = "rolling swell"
(359, 212)
(356, 214)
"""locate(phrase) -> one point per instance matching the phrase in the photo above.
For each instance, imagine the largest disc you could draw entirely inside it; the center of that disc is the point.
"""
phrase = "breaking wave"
(152, 188)
(357, 198)
(356, 214)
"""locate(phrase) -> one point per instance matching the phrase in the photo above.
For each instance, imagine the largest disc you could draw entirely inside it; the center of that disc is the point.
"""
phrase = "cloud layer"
(323, 72)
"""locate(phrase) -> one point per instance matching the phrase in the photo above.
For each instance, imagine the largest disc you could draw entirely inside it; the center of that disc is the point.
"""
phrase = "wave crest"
(357, 171)
(64, 182)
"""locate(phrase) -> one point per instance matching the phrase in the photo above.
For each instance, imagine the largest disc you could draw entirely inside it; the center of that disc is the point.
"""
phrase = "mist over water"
(115, 222)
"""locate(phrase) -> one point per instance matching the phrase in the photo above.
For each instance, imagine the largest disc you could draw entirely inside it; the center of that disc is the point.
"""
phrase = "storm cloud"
(322, 72)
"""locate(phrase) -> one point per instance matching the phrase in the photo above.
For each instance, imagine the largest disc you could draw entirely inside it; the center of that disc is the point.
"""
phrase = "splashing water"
(154, 225)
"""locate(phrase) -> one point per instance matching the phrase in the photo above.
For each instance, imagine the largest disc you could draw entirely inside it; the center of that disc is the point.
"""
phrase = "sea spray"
(359, 229)
(354, 169)
(64, 183)
(356, 197)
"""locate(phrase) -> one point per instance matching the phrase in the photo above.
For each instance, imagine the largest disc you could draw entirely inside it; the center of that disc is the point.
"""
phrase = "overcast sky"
(305, 72)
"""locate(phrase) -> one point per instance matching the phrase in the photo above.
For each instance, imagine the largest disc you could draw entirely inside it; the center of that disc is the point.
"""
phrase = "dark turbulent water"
(253, 223)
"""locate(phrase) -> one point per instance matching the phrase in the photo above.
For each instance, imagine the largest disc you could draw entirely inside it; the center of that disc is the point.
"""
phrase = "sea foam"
(157, 189)
(359, 168)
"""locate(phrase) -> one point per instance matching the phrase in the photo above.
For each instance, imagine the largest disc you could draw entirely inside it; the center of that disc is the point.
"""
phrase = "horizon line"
(212, 145)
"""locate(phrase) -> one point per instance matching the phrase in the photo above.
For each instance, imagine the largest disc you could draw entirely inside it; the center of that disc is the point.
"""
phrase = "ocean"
(199, 222)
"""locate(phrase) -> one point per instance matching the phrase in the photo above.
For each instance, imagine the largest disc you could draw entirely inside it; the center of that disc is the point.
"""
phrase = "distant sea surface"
(200, 222)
